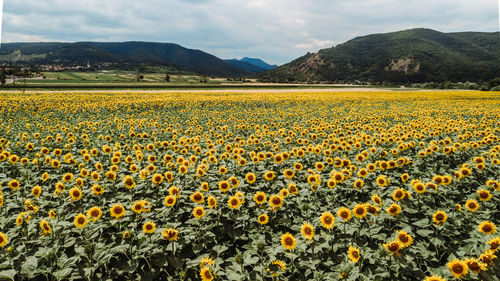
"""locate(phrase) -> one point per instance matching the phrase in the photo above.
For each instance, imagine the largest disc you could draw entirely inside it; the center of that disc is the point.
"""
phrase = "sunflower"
(475, 265)
(269, 175)
(250, 178)
(80, 220)
(157, 179)
(434, 278)
(298, 166)
(338, 177)
(276, 201)
(359, 211)
(117, 211)
(94, 213)
(288, 241)
(484, 195)
(3, 239)
(394, 209)
(359, 183)
(276, 266)
(458, 268)
(198, 212)
(234, 202)
(149, 227)
(293, 188)
(419, 187)
(494, 243)
(170, 200)
(52, 214)
(372, 209)
(46, 228)
(97, 190)
(439, 217)
(487, 227)
(344, 213)
(197, 197)
(170, 234)
(263, 219)
(224, 186)
(354, 254)
(288, 173)
(174, 191)
(212, 202)
(405, 177)
(75, 193)
(394, 247)
(472, 205)
(382, 181)
(206, 274)
(331, 183)
(14, 184)
(36, 191)
(206, 261)
(129, 182)
(487, 257)
(137, 207)
(260, 197)
(307, 231)
(438, 179)
(404, 238)
(376, 199)
(398, 194)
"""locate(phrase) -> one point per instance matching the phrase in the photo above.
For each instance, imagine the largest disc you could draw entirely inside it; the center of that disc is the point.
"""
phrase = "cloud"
(314, 44)
(275, 30)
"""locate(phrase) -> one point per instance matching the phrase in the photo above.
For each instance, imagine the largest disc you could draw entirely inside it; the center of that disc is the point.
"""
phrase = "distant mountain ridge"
(415, 55)
(120, 55)
(253, 65)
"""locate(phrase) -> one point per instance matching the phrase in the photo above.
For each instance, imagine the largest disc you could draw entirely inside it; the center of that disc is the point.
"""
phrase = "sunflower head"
(439, 217)
(394, 247)
(288, 241)
(263, 219)
(354, 254)
(80, 221)
(458, 268)
(487, 227)
(307, 231)
(149, 227)
(344, 213)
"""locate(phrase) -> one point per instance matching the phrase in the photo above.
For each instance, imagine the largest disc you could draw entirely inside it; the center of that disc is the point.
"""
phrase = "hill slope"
(123, 55)
(415, 55)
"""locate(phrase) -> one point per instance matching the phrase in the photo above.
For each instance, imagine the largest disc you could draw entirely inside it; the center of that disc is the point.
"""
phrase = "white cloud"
(315, 44)
(275, 30)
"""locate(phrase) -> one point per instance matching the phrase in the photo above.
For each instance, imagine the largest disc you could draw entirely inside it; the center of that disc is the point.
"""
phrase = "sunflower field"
(250, 186)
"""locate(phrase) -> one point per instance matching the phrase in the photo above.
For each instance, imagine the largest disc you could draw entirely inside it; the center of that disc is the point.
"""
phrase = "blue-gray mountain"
(252, 65)
(415, 55)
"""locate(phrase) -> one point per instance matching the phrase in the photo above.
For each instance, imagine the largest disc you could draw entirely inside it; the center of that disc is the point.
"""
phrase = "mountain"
(251, 64)
(259, 63)
(123, 55)
(245, 66)
(415, 55)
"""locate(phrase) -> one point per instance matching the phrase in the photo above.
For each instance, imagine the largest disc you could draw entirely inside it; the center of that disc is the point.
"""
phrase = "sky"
(277, 31)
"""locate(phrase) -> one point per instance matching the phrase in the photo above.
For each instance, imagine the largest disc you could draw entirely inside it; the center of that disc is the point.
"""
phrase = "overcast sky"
(274, 30)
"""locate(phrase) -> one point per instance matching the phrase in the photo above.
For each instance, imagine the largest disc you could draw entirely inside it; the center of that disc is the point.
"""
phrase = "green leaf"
(29, 267)
(424, 232)
(63, 273)
(8, 274)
